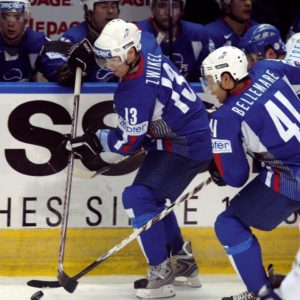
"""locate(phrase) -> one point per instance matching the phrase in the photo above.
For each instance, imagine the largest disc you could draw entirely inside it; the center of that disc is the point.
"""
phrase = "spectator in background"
(262, 41)
(189, 43)
(22, 52)
(97, 13)
(235, 21)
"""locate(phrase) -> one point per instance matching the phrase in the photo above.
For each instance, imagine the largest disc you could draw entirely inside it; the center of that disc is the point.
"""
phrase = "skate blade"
(166, 291)
(188, 281)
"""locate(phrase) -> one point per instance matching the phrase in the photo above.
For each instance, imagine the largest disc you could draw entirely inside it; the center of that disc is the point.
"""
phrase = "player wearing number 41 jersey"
(260, 116)
(158, 111)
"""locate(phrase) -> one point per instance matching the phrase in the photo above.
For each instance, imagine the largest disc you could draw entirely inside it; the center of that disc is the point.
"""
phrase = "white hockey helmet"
(152, 2)
(116, 38)
(22, 6)
(226, 59)
(90, 3)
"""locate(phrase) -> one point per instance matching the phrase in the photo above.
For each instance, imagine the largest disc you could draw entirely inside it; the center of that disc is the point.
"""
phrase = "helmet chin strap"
(228, 91)
(132, 66)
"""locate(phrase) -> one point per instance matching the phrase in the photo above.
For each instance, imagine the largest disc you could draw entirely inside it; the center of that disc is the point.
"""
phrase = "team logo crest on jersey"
(13, 74)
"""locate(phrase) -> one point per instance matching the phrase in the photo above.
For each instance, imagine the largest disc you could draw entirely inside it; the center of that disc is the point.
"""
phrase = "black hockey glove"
(88, 148)
(65, 75)
(81, 55)
(215, 174)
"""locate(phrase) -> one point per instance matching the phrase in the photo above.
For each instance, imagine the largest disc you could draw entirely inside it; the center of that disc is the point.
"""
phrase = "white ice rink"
(214, 287)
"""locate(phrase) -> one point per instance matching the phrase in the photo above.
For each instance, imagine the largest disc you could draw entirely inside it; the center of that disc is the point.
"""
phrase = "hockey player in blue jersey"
(21, 49)
(260, 116)
(97, 14)
(159, 112)
(191, 42)
(235, 21)
(262, 41)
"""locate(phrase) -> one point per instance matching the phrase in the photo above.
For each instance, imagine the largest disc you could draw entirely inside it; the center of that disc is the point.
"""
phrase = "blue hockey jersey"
(190, 47)
(223, 35)
(18, 64)
(262, 120)
(158, 110)
(75, 35)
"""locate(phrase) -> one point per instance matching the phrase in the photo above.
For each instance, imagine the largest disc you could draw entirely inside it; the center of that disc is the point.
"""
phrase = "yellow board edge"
(34, 252)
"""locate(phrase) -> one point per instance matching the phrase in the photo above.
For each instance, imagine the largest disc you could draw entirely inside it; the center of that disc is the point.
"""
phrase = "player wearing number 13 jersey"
(260, 116)
(157, 108)
(158, 111)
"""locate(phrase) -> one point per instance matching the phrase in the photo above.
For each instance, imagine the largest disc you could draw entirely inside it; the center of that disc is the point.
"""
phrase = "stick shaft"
(170, 29)
(68, 186)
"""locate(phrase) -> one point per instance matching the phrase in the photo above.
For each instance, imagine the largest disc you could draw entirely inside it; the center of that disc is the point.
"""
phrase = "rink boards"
(33, 173)
(35, 252)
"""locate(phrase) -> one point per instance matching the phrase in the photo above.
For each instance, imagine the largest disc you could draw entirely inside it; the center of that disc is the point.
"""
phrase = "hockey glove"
(215, 174)
(88, 148)
(65, 75)
(81, 55)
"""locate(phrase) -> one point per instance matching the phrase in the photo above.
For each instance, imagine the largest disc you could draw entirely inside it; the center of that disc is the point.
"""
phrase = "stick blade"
(67, 282)
(43, 284)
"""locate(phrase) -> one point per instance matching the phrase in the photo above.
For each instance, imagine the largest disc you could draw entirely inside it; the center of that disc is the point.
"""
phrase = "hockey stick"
(170, 14)
(122, 163)
(112, 168)
(70, 283)
(68, 186)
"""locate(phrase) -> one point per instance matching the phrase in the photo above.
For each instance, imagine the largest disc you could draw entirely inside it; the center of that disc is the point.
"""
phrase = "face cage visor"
(209, 84)
(108, 63)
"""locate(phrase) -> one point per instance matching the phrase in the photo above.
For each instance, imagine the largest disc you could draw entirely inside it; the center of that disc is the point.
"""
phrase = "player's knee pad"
(140, 203)
(230, 231)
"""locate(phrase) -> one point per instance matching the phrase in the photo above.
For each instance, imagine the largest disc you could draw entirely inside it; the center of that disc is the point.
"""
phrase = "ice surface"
(214, 287)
